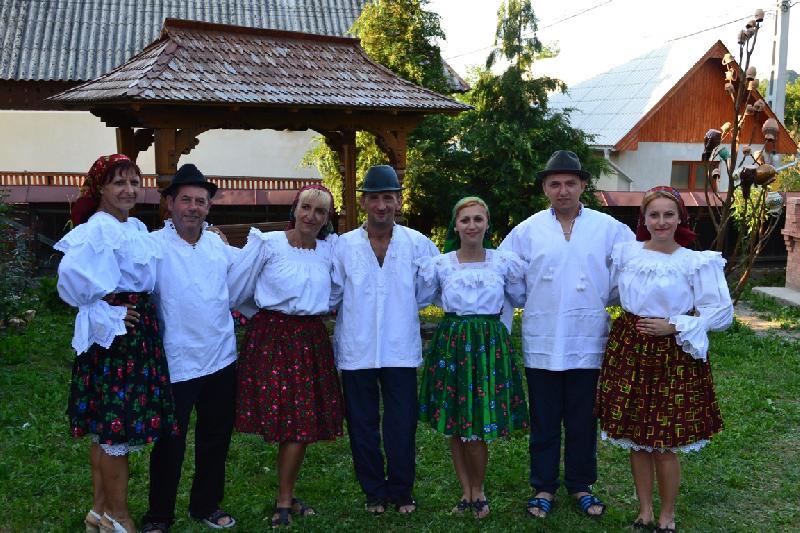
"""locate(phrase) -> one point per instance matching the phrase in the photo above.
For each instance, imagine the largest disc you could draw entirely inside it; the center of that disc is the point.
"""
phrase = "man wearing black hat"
(192, 301)
(377, 341)
(564, 330)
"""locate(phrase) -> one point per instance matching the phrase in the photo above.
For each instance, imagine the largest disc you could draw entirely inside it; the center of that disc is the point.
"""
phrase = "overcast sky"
(595, 35)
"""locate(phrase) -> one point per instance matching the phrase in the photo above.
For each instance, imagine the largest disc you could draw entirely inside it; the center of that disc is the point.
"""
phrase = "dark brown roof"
(202, 63)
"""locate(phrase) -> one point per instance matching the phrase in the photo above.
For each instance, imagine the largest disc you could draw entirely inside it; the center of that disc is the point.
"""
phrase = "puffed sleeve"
(514, 274)
(86, 274)
(621, 235)
(427, 283)
(712, 302)
(423, 249)
(337, 273)
(244, 273)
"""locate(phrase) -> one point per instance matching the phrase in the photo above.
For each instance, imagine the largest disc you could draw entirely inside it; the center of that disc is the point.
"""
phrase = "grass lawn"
(748, 479)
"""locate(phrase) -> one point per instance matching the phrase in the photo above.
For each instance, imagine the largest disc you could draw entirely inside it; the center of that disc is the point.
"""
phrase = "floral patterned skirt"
(471, 386)
(288, 388)
(122, 394)
(652, 395)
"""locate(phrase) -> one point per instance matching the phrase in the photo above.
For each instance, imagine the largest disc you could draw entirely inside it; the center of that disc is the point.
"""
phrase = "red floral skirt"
(653, 395)
(288, 388)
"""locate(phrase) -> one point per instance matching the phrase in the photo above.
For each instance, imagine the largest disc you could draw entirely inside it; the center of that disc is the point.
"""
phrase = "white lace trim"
(638, 259)
(103, 232)
(630, 445)
(691, 337)
(116, 450)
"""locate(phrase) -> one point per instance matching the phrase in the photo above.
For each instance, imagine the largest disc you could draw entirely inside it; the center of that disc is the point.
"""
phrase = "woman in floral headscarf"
(655, 395)
(471, 388)
(288, 388)
(120, 393)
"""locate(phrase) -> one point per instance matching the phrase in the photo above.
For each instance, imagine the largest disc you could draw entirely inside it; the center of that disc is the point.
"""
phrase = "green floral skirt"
(471, 386)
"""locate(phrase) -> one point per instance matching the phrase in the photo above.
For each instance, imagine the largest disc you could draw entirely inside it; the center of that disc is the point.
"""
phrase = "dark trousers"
(398, 389)
(214, 398)
(562, 397)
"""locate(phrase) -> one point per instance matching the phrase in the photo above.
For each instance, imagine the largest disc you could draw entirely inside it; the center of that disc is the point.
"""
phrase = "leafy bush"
(16, 264)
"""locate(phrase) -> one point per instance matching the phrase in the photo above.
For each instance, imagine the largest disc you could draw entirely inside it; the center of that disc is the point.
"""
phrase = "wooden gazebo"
(200, 76)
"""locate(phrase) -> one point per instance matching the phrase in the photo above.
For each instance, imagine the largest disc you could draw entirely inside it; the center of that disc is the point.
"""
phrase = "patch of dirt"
(762, 327)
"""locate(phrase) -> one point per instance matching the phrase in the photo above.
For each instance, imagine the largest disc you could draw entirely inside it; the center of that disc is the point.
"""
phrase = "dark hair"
(119, 166)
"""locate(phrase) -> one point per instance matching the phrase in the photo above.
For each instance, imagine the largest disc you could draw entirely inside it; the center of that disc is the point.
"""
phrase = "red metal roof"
(202, 63)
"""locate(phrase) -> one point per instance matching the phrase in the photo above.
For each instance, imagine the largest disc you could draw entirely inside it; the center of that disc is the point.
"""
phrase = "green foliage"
(16, 265)
(792, 109)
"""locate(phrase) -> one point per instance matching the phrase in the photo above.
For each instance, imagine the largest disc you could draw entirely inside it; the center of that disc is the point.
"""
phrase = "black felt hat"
(380, 178)
(563, 162)
(189, 174)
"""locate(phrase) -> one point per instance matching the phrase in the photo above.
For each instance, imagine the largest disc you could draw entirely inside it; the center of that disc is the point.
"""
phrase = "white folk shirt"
(565, 324)
(378, 321)
(272, 274)
(473, 288)
(102, 256)
(657, 285)
(192, 302)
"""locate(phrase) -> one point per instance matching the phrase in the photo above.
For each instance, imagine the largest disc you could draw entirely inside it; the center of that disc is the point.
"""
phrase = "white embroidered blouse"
(378, 321)
(272, 274)
(473, 288)
(657, 285)
(102, 256)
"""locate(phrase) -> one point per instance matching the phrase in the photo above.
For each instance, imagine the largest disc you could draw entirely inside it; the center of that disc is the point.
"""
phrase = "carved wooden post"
(344, 144)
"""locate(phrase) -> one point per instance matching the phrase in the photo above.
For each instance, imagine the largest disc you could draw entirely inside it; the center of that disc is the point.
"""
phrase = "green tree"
(496, 149)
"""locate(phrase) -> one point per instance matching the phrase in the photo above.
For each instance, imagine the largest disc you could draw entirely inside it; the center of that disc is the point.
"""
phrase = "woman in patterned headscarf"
(656, 395)
(471, 389)
(120, 392)
(288, 388)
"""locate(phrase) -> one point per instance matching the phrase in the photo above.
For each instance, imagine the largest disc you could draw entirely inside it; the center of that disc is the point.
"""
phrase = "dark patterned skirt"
(122, 394)
(471, 386)
(652, 395)
(288, 388)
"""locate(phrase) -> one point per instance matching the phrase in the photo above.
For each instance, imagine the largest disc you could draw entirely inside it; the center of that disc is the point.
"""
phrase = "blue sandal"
(543, 504)
(588, 500)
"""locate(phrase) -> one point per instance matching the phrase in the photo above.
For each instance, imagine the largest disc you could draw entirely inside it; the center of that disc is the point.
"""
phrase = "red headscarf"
(88, 201)
(327, 228)
(683, 234)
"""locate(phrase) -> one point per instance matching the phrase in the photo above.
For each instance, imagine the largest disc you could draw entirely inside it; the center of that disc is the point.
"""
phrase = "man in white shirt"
(377, 342)
(197, 327)
(564, 330)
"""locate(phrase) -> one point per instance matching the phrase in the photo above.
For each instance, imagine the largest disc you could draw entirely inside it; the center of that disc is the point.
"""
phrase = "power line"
(569, 17)
(709, 29)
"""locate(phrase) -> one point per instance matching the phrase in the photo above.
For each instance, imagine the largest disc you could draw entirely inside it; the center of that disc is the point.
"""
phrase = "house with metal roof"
(648, 118)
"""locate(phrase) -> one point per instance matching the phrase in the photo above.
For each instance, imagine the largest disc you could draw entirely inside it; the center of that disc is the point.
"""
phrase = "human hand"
(214, 229)
(658, 327)
(131, 317)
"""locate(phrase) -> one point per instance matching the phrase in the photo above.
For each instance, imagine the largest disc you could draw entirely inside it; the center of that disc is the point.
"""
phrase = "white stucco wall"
(69, 141)
(651, 165)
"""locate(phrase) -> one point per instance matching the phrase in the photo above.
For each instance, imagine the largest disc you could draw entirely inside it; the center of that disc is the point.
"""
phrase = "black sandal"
(463, 505)
(372, 507)
(640, 524)
(403, 502)
(150, 527)
(478, 506)
(302, 508)
(282, 518)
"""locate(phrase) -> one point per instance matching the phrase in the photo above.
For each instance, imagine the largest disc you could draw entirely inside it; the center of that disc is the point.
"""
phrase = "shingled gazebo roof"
(200, 63)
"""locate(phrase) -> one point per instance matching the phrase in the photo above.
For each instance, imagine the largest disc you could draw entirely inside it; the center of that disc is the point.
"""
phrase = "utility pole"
(776, 92)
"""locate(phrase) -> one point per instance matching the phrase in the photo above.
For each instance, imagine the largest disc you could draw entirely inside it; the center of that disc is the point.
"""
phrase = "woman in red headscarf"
(655, 394)
(120, 391)
(288, 388)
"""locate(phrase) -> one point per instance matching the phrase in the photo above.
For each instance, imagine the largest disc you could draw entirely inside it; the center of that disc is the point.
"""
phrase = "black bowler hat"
(563, 162)
(380, 178)
(189, 174)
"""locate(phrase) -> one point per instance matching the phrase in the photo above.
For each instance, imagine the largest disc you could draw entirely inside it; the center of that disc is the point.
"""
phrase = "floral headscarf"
(683, 234)
(87, 203)
(327, 228)
(452, 240)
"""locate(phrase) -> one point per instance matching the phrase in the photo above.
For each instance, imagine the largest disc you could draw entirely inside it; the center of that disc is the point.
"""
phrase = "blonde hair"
(309, 195)
(469, 201)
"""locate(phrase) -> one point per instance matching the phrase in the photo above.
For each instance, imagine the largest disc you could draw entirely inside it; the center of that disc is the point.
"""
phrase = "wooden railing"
(75, 179)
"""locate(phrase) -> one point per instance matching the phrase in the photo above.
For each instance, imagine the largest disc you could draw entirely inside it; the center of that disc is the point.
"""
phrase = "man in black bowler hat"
(564, 330)
(377, 342)
(197, 327)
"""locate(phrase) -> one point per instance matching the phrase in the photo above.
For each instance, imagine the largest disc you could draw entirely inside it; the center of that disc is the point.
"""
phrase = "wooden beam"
(131, 142)
(344, 144)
